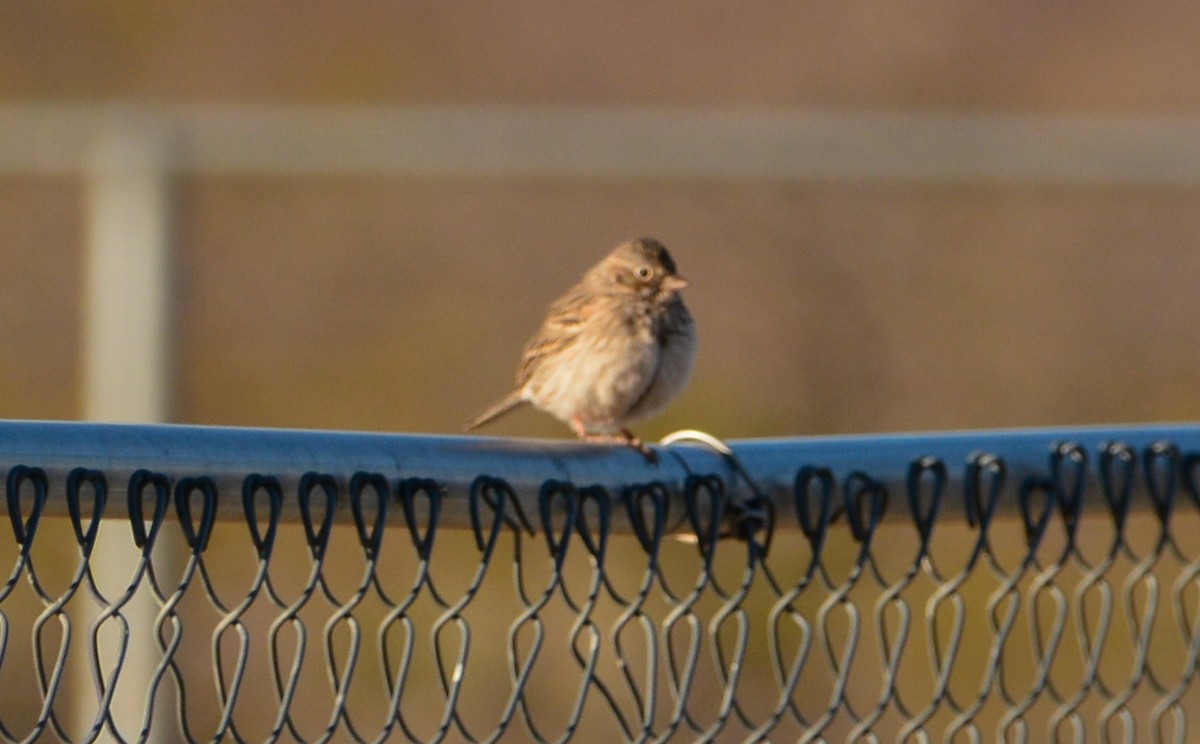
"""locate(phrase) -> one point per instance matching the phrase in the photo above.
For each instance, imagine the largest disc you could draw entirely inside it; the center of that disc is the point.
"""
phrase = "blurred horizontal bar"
(632, 143)
(228, 455)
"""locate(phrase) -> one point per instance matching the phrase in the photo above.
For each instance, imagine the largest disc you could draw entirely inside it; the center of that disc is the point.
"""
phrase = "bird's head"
(643, 266)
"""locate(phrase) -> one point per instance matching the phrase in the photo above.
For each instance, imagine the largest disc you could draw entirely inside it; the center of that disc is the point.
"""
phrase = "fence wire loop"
(865, 501)
(24, 528)
(594, 537)
(980, 498)
(1068, 468)
(317, 535)
(647, 505)
(498, 495)
(1118, 467)
(410, 491)
(1037, 498)
(814, 521)
(86, 536)
(370, 538)
(925, 506)
(252, 485)
(138, 483)
(1160, 462)
(706, 519)
(196, 534)
(558, 538)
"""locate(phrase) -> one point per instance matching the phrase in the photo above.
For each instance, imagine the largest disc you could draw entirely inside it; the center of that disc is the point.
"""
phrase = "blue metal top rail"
(228, 455)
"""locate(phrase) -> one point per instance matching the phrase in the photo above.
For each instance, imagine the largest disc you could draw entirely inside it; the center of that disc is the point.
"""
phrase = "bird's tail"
(509, 402)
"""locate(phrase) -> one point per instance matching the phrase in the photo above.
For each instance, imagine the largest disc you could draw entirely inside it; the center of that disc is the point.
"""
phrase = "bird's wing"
(559, 331)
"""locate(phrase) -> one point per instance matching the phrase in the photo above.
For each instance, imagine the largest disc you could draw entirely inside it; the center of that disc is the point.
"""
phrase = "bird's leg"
(579, 429)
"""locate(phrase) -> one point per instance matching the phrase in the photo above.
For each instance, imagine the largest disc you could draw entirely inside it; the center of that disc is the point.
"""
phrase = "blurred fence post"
(126, 315)
(127, 364)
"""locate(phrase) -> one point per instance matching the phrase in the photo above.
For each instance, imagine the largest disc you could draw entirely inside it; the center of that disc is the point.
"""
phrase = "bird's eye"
(643, 272)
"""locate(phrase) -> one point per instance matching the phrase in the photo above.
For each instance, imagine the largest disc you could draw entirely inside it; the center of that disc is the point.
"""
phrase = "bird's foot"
(625, 437)
(633, 441)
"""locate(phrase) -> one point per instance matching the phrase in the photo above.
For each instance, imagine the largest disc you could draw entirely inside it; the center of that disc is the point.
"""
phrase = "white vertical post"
(127, 315)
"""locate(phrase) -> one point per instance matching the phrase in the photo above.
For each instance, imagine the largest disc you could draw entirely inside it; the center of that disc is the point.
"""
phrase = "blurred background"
(352, 216)
(917, 267)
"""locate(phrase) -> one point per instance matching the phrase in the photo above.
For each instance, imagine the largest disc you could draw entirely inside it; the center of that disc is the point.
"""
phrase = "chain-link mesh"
(956, 602)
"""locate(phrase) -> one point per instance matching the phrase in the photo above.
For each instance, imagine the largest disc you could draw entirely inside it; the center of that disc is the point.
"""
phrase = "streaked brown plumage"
(613, 350)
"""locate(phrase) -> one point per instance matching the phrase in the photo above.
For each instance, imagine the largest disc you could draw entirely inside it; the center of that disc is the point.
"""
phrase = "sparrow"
(615, 349)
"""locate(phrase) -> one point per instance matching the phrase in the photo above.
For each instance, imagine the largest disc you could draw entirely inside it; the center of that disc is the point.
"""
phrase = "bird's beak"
(674, 283)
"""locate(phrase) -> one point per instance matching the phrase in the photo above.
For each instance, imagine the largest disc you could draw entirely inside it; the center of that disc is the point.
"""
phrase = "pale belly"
(597, 384)
(610, 385)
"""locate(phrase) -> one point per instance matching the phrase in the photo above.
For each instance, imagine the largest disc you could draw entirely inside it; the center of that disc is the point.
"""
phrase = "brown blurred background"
(826, 304)
(828, 300)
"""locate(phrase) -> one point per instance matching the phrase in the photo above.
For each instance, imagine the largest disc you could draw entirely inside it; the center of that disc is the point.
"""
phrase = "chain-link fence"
(172, 583)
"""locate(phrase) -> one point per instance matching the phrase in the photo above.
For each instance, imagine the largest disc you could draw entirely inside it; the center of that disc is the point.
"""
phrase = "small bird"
(613, 350)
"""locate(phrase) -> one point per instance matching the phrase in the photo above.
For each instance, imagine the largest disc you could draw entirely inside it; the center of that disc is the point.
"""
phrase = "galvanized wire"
(950, 601)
